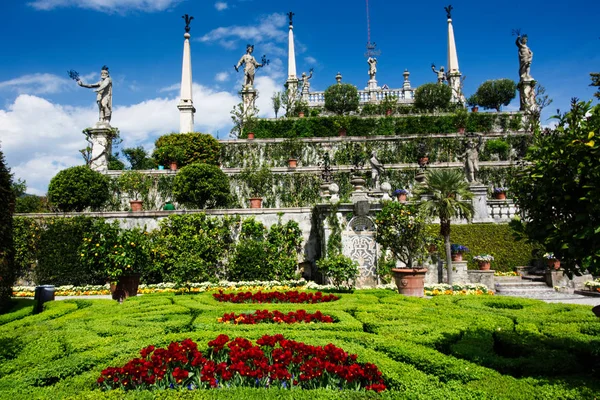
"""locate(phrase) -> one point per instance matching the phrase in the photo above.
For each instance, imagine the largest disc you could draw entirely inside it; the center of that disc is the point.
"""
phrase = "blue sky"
(42, 112)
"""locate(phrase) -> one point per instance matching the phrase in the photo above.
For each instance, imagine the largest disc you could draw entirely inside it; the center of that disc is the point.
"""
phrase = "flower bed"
(594, 286)
(275, 297)
(509, 273)
(457, 290)
(266, 316)
(272, 362)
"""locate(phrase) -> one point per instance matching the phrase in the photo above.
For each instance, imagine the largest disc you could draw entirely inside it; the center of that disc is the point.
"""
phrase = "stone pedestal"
(101, 136)
(558, 278)
(372, 88)
(358, 194)
(459, 273)
(249, 100)
(527, 96)
(480, 209)
(186, 116)
(454, 83)
(482, 277)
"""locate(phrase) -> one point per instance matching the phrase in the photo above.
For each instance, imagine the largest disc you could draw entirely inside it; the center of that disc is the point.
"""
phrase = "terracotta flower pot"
(456, 256)
(250, 135)
(553, 263)
(342, 132)
(126, 286)
(401, 198)
(500, 196)
(136, 205)
(475, 108)
(292, 163)
(388, 112)
(410, 281)
(484, 265)
(173, 166)
(461, 130)
(301, 114)
(256, 202)
(423, 161)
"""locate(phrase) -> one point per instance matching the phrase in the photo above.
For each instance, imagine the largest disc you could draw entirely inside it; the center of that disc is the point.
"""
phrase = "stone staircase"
(532, 284)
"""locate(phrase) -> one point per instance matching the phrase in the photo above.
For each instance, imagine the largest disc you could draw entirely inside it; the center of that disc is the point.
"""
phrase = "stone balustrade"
(404, 96)
(501, 210)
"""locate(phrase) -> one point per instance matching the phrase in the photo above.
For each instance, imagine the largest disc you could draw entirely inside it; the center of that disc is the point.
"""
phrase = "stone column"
(453, 74)
(186, 104)
(292, 80)
(480, 208)
(101, 137)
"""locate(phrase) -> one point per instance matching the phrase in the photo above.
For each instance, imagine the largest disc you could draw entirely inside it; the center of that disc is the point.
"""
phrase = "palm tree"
(447, 190)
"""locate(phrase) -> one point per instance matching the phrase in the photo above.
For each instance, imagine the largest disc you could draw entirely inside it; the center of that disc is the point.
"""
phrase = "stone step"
(521, 285)
(535, 278)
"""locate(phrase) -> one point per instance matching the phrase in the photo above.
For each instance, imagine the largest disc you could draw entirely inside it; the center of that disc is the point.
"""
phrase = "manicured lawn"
(454, 347)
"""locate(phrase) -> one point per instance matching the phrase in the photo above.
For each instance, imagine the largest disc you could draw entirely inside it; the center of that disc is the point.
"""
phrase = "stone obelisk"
(186, 104)
(453, 73)
(292, 80)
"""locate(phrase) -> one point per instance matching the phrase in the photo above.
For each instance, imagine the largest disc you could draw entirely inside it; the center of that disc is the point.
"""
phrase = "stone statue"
(305, 82)
(104, 94)
(441, 74)
(449, 11)
(525, 57)
(471, 157)
(376, 169)
(250, 65)
(188, 19)
(372, 61)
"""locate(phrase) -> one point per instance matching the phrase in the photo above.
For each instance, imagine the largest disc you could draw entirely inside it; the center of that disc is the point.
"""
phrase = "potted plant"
(137, 186)
(388, 104)
(457, 251)
(170, 155)
(259, 182)
(293, 146)
(460, 119)
(119, 254)
(473, 102)
(484, 261)
(341, 270)
(402, 230)
(340, 122)
(401, 194)
(500, 193)
(552, 261)
(422, 154)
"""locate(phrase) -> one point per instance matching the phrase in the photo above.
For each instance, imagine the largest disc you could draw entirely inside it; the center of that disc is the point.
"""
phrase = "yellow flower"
(82, 255)
(97, 244)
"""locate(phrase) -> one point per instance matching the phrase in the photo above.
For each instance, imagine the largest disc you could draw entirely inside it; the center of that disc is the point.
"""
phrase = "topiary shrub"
(77, 188)
(7, 271)
(194, 147)
(496, 93)
(341, 98)
(432, 96)
(201, 186)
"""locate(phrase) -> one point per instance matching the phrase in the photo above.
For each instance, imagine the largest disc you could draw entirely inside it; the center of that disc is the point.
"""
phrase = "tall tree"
(558, 189)
(7, 199)
(448, 198)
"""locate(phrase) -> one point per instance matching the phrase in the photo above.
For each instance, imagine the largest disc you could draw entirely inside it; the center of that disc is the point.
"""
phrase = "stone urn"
(410, 281)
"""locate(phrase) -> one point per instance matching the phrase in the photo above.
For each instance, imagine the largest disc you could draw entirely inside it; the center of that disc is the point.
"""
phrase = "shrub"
(258, 180)
(341, 98)
(496, 93)
(7, 199)
(433, 96)
(189, 148)
(31, 204)
(201, 186)
(342, 270)
(135, 184)
(77, 188)
(497, 146)
(138, 158)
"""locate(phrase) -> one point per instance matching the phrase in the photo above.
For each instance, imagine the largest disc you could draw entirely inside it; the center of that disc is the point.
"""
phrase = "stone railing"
(404, 96)
(502, 210)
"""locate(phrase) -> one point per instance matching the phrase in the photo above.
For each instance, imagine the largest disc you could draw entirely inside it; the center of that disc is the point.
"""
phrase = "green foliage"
(7, 199)
(558, 189)
(496, 93)
(342, 270)
(341, 98)
(276, 102)
(190, 248)
(432, 97)
(31, 204)
(77, 188)
(114, 163)
(26, 237)
(293, 146)
(187, 148)
(497, 240)
(595, 77)
(135, 184)
(112, 252)
(201, 186)
(401, 228)
(258, 180)
(138, 158)
(498, 146)
(262, 255)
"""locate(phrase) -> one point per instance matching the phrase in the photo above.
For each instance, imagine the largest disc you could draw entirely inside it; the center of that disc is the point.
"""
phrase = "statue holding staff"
(103, 90)
(250, 65)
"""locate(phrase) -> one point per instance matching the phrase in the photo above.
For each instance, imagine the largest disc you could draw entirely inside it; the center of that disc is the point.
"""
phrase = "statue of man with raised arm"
(104, 94)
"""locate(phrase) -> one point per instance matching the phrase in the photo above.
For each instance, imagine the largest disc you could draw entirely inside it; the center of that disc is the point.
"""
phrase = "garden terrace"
(441, 348)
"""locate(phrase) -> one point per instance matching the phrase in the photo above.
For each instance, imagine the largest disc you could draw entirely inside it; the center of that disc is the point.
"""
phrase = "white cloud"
(222, 76)
(37, 84)
(107, 6)
(39, 138)
(268, 29)
(310, 60)
(220, 5)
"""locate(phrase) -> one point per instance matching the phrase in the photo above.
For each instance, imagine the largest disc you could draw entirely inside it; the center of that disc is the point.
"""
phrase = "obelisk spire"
(186, 104)
(292, 80)
(453, 73)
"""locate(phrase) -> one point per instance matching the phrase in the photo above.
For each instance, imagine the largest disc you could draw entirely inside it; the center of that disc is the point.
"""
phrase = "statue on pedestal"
(305, 82)
(372, 61)
(377, 169)
(471, 156)
(104, 93)
(525, 56)
(441, 74)
(250, 65)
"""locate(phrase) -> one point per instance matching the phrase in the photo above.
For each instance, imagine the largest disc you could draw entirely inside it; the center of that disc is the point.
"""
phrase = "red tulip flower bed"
(272, 362)
(275, 297)
(275, 316)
